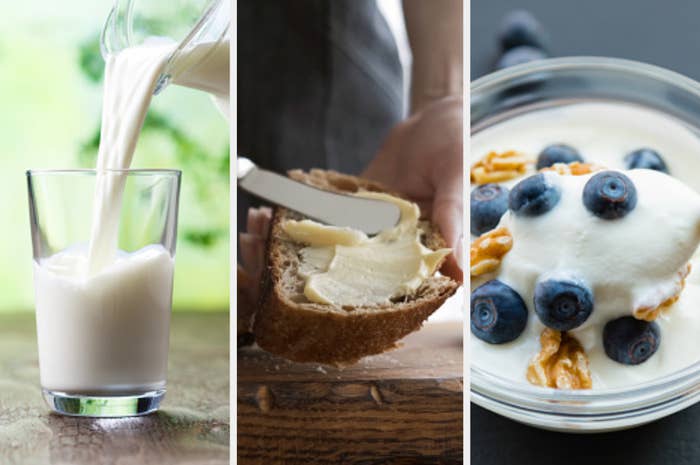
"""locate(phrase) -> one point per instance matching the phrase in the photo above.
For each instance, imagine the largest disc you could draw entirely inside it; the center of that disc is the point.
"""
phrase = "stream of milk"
(131, 77)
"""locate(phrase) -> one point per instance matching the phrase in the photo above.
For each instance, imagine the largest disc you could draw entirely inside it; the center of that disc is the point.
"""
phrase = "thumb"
(447, 215)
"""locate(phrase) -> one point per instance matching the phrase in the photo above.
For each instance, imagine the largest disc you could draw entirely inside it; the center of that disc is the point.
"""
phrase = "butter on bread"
(344, 266)
(292, 326)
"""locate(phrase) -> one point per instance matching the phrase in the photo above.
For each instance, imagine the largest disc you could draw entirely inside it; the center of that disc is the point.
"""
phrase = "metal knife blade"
(368, 215)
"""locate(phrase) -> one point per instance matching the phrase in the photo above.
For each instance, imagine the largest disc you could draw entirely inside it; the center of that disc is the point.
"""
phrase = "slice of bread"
(290, 325)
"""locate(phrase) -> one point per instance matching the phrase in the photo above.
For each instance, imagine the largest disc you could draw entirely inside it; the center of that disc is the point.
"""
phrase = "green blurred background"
(50, 89)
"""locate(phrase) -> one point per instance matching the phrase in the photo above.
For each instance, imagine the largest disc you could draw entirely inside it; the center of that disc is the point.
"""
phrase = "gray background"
(664, 33)
(661, 32)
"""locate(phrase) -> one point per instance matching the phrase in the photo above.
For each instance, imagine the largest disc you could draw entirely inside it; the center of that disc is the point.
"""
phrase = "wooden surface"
(402, 407)
(192, 426)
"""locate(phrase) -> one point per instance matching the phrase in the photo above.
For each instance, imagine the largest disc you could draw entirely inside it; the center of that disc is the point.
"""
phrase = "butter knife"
(369, 215)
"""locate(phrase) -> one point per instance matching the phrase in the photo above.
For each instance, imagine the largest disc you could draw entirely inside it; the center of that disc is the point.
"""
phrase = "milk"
(211, 74)
(131, 77)
(103, 315)
(108, 332)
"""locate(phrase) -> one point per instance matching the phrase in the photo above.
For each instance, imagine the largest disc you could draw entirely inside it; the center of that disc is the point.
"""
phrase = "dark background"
(662, 32)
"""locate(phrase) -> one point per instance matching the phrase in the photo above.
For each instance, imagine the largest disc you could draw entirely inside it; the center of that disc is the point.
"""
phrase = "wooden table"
(192, 426)
(402, 407)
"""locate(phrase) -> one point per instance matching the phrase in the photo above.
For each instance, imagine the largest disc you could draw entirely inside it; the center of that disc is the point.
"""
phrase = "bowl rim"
(583, 62)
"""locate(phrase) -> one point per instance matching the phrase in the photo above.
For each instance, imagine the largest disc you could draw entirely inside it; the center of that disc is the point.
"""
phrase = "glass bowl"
(546, 83)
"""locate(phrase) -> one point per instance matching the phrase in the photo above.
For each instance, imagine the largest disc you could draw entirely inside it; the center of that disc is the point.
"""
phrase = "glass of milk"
(103, 331)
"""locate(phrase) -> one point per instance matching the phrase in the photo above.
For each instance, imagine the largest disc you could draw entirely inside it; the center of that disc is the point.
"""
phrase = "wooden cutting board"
(402, 407)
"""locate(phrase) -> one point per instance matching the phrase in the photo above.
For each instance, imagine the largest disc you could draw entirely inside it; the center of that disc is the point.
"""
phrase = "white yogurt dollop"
(628, 262)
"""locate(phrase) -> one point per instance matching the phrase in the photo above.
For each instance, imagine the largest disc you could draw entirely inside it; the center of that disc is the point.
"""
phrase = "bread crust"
(292, 327)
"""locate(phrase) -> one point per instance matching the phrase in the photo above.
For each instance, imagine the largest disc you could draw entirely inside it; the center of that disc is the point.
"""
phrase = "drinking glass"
(103, 334)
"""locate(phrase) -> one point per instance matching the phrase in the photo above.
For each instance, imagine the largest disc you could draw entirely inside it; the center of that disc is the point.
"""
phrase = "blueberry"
(563, 305)
(519, 55)
(631, 341)
(488, 203)
(646, 158)
(610, 195)
(520, 27)
(533, 196)
(557, 153)
(498, 313)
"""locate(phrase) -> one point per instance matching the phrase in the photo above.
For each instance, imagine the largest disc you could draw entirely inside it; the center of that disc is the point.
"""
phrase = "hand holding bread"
(422, 159)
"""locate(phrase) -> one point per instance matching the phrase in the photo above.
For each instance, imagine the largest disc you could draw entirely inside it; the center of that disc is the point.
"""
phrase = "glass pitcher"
(200, 28)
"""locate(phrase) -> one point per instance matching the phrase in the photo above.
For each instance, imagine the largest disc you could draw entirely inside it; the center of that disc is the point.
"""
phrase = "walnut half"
(575, 168)
(497, 167)
(562, 363)
(486, 252)
(651, 313)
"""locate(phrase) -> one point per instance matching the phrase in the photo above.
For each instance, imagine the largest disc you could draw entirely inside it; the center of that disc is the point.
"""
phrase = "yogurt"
(628, 263)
